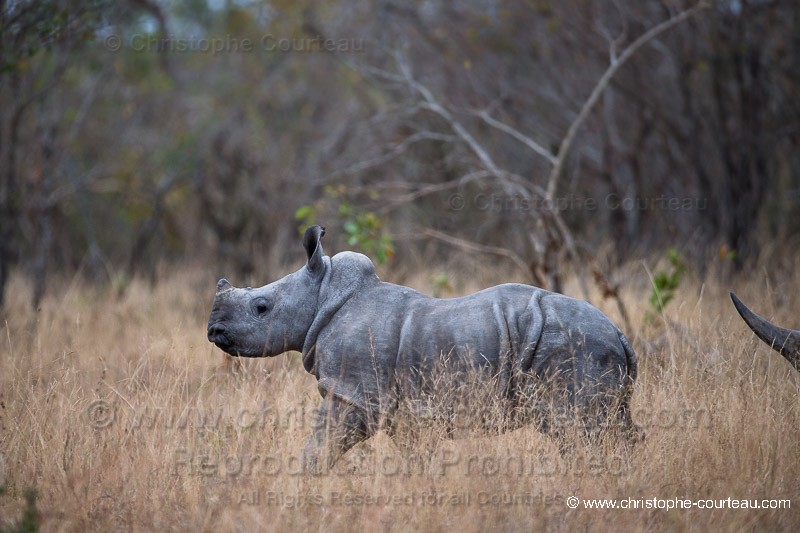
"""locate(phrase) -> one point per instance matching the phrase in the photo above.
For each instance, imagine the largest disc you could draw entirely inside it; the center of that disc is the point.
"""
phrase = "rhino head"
(275, 318)
(785, 341)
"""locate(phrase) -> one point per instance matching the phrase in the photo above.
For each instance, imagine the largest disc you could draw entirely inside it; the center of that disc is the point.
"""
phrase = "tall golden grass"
(120, 414)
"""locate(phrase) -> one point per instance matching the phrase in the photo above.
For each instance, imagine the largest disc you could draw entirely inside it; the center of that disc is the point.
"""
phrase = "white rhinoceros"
(371, 345)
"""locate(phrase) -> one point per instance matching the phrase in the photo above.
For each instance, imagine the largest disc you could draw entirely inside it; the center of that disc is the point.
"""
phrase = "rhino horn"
(223, 286)
(785, 341)
(312, 242)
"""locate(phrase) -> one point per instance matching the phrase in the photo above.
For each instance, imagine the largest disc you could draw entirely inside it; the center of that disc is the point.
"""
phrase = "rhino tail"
(785, 341)
(533, 333)
(630, 359)
(633, 432)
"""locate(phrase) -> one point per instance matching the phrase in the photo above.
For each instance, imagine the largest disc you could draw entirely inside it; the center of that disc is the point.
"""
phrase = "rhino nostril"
(215, 330)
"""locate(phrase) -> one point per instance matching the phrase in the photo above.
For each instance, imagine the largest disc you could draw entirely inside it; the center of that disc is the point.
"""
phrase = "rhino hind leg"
(573, 408)
(600, 423)
(607, 413)
(630, 432)
(609, 420)
(339, 426)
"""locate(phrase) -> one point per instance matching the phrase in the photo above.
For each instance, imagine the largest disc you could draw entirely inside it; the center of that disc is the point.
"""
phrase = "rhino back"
(389, 337)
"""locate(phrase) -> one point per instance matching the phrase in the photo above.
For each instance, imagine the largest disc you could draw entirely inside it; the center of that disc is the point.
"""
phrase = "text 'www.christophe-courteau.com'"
(668, 504)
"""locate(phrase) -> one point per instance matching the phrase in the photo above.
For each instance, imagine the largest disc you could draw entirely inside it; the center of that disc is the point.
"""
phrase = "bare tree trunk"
(43, 216)
(9, 199)
(149, 229)
(95, 257)
(739, 121)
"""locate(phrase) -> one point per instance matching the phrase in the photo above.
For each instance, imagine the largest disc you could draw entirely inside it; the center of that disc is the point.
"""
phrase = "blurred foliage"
(32, 28)
(665, 284)
(726, 253)
(441, 285)
(29, 522)
(365, 232)
(362, 230)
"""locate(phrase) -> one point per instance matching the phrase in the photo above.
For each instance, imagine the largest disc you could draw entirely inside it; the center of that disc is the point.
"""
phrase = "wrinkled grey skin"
(784, 341)
(371, 344)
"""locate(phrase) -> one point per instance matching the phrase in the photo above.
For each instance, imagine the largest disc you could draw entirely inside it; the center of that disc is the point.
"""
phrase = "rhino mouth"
(226, 346)
(220, 339)
(217, 335)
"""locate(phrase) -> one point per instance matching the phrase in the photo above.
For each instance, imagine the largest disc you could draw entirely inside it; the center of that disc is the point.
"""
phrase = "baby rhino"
(377, 349)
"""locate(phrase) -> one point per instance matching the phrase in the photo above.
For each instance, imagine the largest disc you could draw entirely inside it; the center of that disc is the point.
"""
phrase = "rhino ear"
(312, 242)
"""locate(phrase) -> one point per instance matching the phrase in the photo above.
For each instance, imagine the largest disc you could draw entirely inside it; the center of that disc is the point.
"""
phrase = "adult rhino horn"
(785, 341)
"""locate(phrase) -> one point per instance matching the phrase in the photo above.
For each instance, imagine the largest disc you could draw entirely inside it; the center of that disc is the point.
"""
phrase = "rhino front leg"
(339, 426)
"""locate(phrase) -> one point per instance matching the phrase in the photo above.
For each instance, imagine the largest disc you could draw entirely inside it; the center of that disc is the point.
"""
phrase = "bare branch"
(524, 139)
(433, 105)
(433, 188)
(470, 246)
(612, 69)
(513, 183)
(395, 150)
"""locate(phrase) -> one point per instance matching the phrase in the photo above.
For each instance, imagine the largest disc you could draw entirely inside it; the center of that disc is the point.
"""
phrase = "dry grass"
(196, 442)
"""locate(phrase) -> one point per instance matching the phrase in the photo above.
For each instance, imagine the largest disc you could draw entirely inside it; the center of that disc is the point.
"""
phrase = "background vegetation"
(142, 132)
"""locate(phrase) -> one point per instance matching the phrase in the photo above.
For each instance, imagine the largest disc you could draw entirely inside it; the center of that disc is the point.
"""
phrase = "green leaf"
(352, 228)
(345, 210)
(304, 212)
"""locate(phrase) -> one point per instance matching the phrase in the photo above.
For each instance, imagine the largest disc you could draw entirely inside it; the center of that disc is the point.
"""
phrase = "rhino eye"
(260, 306)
